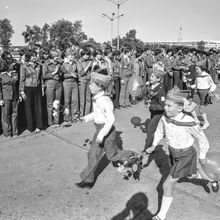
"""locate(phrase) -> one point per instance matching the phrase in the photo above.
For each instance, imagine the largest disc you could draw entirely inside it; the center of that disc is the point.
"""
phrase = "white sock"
(206, 123)
(166, 202)
(195, 116)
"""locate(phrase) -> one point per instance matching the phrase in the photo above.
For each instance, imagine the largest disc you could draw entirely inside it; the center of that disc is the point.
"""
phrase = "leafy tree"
(45, 34)
(64, 34)
(201, 45)
(6, 32)
(32, 35)
(131, 41)
(91, 43)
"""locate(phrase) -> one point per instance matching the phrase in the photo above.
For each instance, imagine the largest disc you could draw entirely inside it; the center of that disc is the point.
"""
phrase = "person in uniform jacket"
(84, 67)
(9, 98)
(117, 78)
(176, 71)
(32, 89)
(157, 95)
(149, 61)
(126, 73)
(53, 81)
(168, 77)
(70, 87)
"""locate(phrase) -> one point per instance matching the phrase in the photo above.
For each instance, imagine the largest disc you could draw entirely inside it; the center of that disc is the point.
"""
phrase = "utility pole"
(180, 35)
(118, 3)
(112, 18)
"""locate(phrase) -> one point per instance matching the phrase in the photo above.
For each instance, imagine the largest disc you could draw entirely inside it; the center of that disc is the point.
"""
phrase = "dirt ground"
(38, 173)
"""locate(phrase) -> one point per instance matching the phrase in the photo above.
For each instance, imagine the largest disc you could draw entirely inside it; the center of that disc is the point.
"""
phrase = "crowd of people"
(54, 84)
(83, 84)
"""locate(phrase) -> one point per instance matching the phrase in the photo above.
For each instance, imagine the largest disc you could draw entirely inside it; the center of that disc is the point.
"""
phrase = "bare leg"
(167, 196)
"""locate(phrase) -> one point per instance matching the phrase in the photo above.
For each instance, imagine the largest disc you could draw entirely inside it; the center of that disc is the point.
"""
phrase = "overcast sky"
(154, 20)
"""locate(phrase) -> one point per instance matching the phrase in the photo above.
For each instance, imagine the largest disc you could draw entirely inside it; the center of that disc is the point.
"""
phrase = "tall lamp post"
(112, 18)
(118, 3)
(180, 35)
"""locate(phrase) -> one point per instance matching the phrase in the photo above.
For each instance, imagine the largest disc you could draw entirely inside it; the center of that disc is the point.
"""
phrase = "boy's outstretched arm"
(89, 117)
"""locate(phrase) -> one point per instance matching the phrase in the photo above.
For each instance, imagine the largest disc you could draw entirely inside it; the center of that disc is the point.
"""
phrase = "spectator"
(70, 87)
(9, 96)
(53, 81)
(32, 89)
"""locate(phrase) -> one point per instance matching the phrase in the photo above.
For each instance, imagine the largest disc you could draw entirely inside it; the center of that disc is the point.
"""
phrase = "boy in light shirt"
(104, 139)
(180, 130)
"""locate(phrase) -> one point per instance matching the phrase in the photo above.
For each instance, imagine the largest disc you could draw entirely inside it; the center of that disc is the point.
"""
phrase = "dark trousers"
(151, 128)
(117, 88)
(96, 151)
(33, 107)
(85, 97)
(177, 78)
(71, 99)
(167, 82)
(53, 92)
(9, 117)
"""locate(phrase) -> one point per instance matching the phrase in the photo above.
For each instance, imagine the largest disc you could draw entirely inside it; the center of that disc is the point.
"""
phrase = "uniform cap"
(175, 95)
(100, 79)
(201, 63)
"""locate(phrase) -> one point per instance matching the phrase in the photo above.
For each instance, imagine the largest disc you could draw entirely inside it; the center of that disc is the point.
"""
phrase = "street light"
(118, 3)
(112, 18)
(180, 35)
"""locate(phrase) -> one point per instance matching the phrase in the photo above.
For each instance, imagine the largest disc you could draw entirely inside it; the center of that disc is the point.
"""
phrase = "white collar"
(100, 94)
(154, 86)
(178, 117)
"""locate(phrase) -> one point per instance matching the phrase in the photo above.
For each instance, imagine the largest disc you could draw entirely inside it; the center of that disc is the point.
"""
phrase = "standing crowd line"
(54, 84)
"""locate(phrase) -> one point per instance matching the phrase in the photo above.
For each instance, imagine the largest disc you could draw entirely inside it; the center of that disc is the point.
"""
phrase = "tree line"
(63, 33)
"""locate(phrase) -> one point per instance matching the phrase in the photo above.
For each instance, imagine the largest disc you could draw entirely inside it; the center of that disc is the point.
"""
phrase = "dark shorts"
(183, 162)
(203, 94)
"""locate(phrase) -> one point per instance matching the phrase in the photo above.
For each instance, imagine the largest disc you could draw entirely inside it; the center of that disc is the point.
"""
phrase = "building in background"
(207, 44)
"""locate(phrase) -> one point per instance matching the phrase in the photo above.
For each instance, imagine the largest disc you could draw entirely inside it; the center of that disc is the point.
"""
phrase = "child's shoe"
(205, 126)
(215, 186)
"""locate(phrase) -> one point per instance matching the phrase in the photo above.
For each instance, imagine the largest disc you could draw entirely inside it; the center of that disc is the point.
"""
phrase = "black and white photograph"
(109, 110)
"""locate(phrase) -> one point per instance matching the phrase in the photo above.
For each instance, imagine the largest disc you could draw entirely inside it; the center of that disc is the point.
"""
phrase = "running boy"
(180, 130)
(104, 140)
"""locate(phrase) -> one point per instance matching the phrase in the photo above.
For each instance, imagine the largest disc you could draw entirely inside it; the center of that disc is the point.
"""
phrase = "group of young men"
(44, 76)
